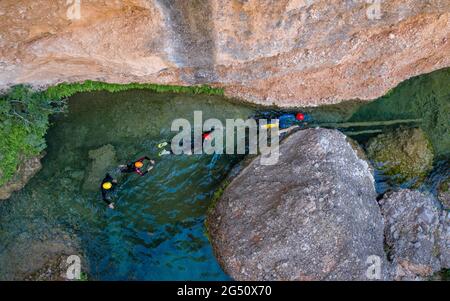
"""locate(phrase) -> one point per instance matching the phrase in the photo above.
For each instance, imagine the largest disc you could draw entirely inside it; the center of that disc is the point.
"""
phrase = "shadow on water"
(156, 231)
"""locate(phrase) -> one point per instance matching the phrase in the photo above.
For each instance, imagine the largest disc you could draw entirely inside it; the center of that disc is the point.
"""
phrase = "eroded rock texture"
(312, 216)
(417, 234)
(288, 52)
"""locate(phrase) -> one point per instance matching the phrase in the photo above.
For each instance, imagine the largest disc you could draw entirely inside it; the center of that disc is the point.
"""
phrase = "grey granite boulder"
(417, 234)
(312, 216)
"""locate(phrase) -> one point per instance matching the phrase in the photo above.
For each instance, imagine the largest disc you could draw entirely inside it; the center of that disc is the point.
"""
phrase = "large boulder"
(404, 153)
(312, 216)
(417, 234)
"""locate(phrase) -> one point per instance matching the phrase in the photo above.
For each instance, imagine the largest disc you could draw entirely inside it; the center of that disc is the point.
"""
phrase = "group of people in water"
(144, 165)
(109, 183)
(141, 167)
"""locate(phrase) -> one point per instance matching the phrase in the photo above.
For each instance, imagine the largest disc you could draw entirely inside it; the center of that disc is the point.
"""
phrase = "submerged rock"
(284, 52)
(24, 173)
(403, 153)
(312, 216)
(103, 159)
(44, 259)
(417, 234)
(55, 269)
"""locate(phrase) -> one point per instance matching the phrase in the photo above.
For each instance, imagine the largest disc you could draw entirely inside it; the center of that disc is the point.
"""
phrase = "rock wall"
(284, 52)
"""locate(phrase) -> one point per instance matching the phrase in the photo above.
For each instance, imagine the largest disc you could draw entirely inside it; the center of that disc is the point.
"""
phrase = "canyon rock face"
(314, 216)
(287, 52)
(311, 216)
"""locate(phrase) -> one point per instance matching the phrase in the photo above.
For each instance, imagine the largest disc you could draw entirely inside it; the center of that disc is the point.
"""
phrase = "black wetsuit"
(204, 136)
(131, 167)
(107, 193)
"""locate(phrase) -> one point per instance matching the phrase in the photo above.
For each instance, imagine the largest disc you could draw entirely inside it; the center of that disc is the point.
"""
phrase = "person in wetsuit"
(162, 146)
(136, 166)
(107, 188)
(287, 120)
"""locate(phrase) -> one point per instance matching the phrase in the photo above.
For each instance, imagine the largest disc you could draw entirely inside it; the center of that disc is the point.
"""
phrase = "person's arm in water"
(106, 199)
(140, 172)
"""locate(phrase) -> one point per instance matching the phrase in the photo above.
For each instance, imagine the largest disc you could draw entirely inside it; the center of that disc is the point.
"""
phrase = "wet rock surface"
(25, 172)
(284, 52)
(55, 269)
(312, 216)
(444, 194)
(417, 234)
(46, 260)
(404, 153)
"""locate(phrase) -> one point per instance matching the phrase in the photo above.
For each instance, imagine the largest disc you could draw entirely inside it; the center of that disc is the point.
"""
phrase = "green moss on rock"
(403, 153)
(68, 89)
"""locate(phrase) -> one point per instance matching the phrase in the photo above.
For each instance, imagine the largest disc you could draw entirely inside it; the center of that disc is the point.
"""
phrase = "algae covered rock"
(403, 153)
(311, 216)
(103, 159)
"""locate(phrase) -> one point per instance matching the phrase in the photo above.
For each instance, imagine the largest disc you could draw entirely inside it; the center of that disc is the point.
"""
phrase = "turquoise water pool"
(156, 231)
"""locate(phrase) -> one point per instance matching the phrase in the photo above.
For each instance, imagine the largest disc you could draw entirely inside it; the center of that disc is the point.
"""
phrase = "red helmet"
(300, 116)
(206, 136)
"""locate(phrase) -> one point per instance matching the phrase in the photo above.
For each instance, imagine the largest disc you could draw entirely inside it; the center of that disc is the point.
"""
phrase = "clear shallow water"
(156, 231)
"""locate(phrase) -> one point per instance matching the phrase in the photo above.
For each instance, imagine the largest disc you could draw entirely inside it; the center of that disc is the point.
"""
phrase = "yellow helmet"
(138, 164)
(270, 126)
(107, 185)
